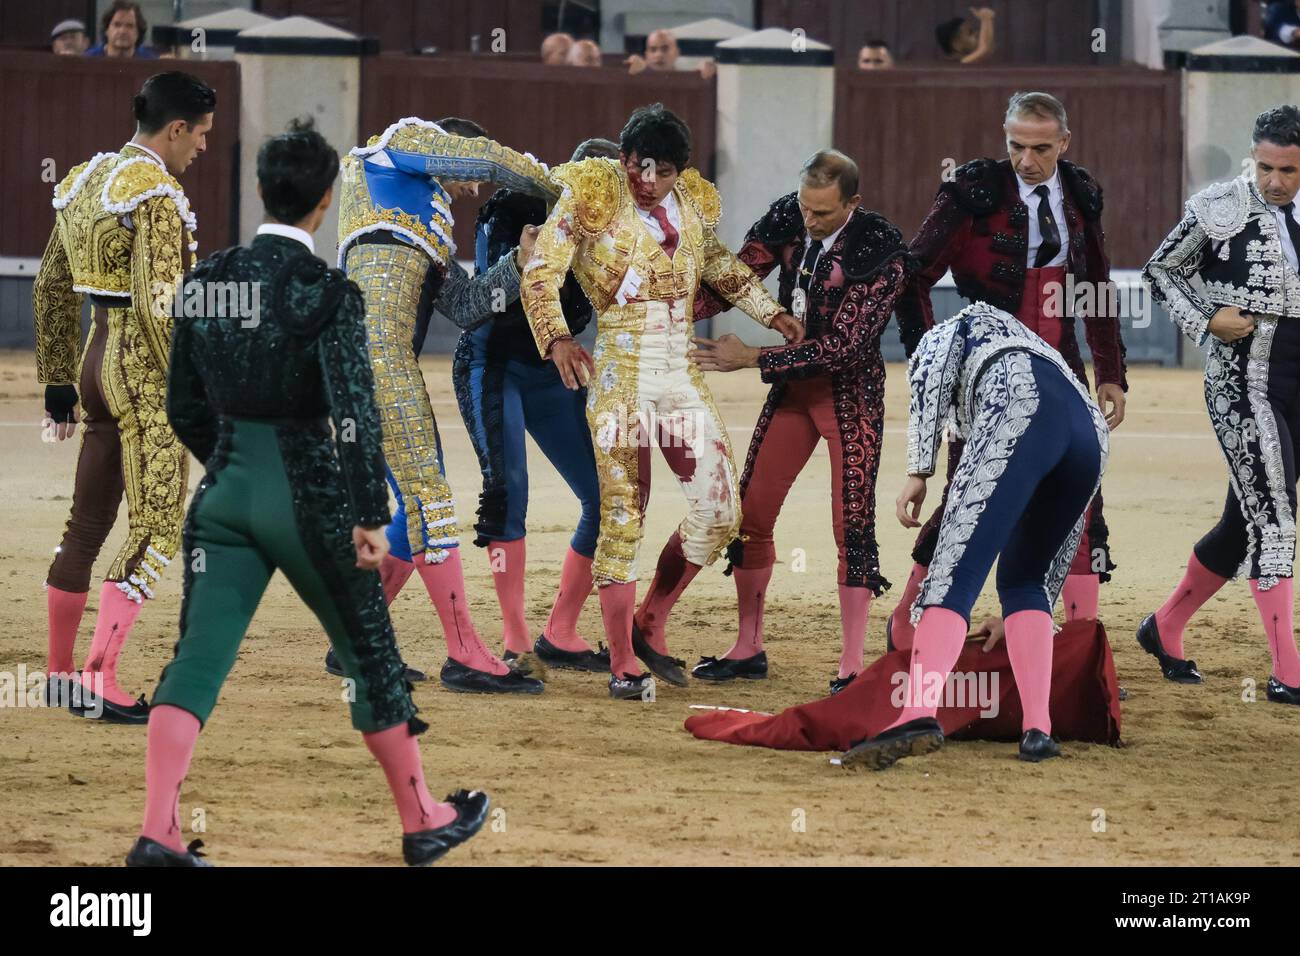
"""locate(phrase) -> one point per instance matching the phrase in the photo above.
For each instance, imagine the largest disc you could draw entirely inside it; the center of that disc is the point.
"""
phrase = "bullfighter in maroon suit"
(997, 226)
(841, 270)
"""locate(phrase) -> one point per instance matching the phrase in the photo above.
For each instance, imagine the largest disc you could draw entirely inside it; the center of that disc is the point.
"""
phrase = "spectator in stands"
(1282, 22)
(124, 29)
(875, 55)
(967, 40)
(69, 38)
(555, 49)
(584, 53)
(661, 53)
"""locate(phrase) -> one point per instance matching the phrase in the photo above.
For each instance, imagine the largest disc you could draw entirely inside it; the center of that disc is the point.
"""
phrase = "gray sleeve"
(472, 301)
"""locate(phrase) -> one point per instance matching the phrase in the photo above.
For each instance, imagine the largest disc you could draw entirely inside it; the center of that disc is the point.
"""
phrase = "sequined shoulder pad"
(781, 223)
(871, 242)
(701, 194)
(1084, 190)
(977, 186)
(596, 191)
(1222, 209)
(67, 190)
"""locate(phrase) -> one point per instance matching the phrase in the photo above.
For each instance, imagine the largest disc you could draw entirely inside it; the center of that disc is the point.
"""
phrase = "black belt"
(110, 301)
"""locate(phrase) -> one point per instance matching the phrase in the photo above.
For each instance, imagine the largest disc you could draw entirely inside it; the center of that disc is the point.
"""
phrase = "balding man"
(555, 49)
(584, 53)
(662, 54)
(841, 269)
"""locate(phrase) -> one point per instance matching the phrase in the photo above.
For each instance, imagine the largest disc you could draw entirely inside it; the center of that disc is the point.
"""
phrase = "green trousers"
(241, 528)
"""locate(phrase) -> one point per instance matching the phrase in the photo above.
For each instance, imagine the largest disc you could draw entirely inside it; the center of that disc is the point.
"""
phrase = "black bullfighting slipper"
(422, 848)
(1280, 693)
(549, 654)
(638, 687)
(466, 680)
(670, 669)
(1036, 745)
(332, 666)
(1174, 668)
(87, 704)
(724, 668)
(148, 852)
(839, 683)
(912, 739)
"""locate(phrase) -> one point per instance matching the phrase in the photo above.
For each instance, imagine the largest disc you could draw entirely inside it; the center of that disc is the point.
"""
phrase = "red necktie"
(669, 243)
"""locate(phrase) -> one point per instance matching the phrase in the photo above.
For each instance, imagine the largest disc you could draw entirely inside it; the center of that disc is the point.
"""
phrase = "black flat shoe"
(552, 656)
(1036, 745)
(1174, 668)
(668, 668)
(1280, 693)
(724, 668)
(912, 739)
(148, 852)
(58, 691)
(466, 680)
(332, 666)
(640, 687)
(839, 683)
(422, 848)
(86, 704)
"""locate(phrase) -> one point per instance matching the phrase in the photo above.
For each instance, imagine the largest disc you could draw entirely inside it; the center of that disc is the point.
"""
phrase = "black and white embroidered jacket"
(1228, 241)
(946, 368)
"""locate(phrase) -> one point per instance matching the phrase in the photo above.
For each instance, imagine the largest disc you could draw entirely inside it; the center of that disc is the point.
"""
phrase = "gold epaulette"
(703, 195)
(67, 190)
(597, 192)
(138, 179)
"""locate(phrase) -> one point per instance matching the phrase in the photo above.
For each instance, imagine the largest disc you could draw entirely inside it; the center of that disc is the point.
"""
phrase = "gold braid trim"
(702, 194)
(597, 192)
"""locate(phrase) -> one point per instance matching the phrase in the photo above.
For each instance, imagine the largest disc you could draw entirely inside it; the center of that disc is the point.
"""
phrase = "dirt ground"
(279, 777)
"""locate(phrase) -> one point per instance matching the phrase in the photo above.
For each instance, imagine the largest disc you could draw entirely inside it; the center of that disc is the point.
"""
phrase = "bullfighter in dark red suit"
(841, 270)
(1024, 234)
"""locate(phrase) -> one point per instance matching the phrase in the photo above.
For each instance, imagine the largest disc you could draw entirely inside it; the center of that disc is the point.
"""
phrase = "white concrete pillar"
(289, 68)
(776, 107)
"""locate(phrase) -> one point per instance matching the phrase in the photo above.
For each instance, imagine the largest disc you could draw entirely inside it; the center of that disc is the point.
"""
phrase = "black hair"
(946, 32)
(876, 41)
(653, 132)
(166, 97)
(120, 6)
(461, 127)
(294, 169)
(1280, 125)
(588, 148)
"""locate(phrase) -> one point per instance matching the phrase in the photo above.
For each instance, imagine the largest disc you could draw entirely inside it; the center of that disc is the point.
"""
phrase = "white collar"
(145, 149)
(1053, 186)
(287, 232)
(669, 203)
(829, 240)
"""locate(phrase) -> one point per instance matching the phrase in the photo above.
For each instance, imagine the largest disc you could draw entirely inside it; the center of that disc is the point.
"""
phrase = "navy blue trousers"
(1030, 467)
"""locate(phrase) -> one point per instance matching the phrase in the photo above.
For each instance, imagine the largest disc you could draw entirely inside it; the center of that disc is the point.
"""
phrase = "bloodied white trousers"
(647, 392)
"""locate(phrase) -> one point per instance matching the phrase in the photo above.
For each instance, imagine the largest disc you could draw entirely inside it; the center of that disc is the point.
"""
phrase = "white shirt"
(1286, 32)
(826, 244)
(288, 232)
(1056, 203)
(674, 218)
(1288, 247)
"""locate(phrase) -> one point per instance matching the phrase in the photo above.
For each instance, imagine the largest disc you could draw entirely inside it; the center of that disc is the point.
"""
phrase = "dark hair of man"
(116, 7)
(588, 148)
(877, 42)
(1280, 125)
(461, 127)
(294, 169)
(172, 96)
(828, 166)
(653, 132)
(946, 32)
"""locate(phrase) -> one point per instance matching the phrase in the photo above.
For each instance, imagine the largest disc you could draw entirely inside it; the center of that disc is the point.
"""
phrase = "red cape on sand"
(1085, 701)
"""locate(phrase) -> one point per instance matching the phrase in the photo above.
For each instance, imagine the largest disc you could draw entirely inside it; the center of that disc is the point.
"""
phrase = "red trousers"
(806, 415)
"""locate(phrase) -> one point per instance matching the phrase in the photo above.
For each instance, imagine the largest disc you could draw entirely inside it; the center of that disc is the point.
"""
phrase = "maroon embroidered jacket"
(979, 227)
(850, 298)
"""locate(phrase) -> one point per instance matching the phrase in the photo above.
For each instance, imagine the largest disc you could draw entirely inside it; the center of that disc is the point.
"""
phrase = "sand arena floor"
(1205, 777)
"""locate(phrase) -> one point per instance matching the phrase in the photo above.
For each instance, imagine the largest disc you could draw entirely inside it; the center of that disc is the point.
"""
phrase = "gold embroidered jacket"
(594, 230)
(121, 227)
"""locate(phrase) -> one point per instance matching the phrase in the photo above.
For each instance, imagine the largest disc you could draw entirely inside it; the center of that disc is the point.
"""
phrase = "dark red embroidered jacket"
(979, 227)
(850, 298)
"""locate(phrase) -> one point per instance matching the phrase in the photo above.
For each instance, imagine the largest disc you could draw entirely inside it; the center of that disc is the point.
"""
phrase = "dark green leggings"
(241, 529)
